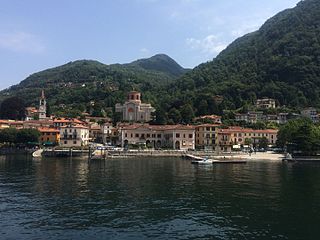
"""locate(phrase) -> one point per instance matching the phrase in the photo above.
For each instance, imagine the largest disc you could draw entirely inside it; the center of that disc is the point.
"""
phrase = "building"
(135, 111)
(311, 113)
(266, 103)
(250, 117)
(38, 124)
(209, 118)
(49, 136)
(4, 124)
(235, 137)
(61, 122)
(42, 107)
(205, 136)
(95, 132)
(31, 113)
(177, 137)
(108, 133)
(74, 135)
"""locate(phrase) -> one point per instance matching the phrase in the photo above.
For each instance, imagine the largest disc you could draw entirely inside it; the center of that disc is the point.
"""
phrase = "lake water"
(160, 198)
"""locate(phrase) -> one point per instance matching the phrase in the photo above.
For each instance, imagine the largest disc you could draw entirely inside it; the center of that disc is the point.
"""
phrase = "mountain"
(79, 83)
(281, 60)
(160, 63)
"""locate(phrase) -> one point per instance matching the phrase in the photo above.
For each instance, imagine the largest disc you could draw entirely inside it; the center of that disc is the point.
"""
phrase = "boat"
(203, 161)
(37, 153)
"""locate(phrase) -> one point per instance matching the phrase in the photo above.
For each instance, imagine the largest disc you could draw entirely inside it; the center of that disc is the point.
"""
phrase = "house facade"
(74, 135)
(311, 113)
(227, 139)
(205, 136)
(177, 137)
(49, 136)
(266, 103)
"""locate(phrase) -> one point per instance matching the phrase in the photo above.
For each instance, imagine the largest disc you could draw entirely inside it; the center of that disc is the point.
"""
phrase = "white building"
(107, 132)
(178, 137)
(74, 136)
(266, 103)
(311, 113)
(133, 110)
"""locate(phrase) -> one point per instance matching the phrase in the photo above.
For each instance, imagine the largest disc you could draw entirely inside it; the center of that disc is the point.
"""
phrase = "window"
(191, 135)
(148, 135)
(184, 136)
(159, 135)
(177, 135)
(207, 128)
(126, 135)
(137, 135)
(65, 142)
(74, 142)
(235, 134)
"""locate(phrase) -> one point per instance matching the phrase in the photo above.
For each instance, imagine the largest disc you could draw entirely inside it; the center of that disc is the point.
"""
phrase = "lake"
(160, 198)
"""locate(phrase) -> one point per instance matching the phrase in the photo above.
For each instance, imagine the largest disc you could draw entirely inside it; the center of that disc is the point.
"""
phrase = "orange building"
(226, 139)
(49, 136)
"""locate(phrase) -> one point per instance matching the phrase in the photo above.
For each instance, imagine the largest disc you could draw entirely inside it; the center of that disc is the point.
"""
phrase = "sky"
(37, 34)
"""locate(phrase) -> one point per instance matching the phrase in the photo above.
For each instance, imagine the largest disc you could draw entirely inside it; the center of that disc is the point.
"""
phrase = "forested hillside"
(91, 86)
(281, 60)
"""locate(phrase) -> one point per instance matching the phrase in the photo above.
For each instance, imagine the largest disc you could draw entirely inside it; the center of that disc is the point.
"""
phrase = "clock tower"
(42, 107)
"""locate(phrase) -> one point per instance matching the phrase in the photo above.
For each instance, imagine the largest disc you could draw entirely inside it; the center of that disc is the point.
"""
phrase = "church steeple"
(42, 106)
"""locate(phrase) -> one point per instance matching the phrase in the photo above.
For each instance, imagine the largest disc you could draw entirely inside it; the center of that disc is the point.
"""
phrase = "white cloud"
(210, 45)
(21, 42)
(247, 27)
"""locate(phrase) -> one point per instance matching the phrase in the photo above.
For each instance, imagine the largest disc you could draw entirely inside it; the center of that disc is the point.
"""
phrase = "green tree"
(27, 135)
(8, 135)
(174, 115)
(187, 113)
(13, 108)
(263, 143)
(248, 141)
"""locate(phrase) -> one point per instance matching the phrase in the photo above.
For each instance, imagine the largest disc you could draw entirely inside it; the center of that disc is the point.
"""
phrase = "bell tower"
(42, 107)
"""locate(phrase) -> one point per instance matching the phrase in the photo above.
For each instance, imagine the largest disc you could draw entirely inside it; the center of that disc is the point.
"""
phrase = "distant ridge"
(160, 63)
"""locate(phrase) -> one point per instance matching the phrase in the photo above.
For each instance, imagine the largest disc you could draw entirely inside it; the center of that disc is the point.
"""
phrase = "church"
(133, 110)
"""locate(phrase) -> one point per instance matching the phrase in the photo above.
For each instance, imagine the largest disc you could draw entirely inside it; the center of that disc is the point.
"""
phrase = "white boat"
(203, 161)
(37, 153)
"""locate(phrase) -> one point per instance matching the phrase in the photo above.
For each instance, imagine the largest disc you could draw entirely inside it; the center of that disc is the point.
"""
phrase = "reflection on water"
(157, 199)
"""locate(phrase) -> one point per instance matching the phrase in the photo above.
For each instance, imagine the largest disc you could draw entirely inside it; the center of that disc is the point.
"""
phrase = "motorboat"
(203, 161)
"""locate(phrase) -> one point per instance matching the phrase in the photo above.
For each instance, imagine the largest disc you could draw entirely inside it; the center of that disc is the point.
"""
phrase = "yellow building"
(49, 136)
(206, 136)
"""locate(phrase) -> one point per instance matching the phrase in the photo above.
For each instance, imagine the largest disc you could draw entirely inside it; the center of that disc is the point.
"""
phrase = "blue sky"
(37, 34)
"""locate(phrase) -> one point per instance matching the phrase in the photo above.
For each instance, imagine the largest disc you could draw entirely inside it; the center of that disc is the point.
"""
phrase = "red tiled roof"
(246, 130)
(158, 127)
(42, 129)
(75, 126)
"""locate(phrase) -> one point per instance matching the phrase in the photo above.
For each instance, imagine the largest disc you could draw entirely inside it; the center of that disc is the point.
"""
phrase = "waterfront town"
(134, 131)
